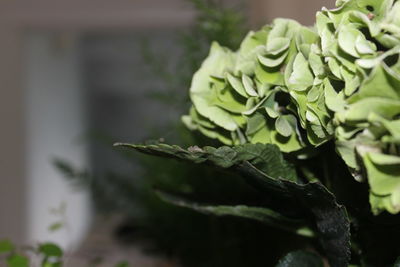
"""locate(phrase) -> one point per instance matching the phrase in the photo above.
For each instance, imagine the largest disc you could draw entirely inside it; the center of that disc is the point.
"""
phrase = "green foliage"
(50, 254)
(309, 93)
(267, 158)
(16, 260)
(310, 201)
(299, 87)
(12, 257)
(263, 215)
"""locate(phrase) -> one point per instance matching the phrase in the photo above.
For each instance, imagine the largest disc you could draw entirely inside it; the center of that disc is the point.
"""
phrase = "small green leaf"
(17, 260)
(56, 226)
(6, 246)
(50, 250)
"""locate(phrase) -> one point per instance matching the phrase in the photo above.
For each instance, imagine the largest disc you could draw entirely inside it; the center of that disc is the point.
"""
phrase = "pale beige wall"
(12, 129)
(90, 14)
(18, 16)
(264, 11)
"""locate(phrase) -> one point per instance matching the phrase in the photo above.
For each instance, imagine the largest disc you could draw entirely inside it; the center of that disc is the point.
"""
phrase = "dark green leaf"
(330, 218)
(265, 157)
(312, 199)
(260, 214)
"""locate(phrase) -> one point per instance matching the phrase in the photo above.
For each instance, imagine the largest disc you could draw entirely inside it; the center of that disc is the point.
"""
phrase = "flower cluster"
(298, 87)
(360, 41)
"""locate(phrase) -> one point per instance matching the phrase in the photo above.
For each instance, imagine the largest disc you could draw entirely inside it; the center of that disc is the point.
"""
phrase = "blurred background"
(77, 76)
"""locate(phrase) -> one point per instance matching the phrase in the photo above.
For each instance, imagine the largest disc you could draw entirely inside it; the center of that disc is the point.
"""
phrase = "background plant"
(44, 255)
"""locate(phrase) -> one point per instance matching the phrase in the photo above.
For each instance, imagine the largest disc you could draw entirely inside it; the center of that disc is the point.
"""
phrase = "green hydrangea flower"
(360, 43)
(258, 94)
(298, 87)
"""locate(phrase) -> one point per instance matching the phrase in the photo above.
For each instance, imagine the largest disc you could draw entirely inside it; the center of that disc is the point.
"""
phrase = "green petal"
(236, 84)
(277, 45)
(249, 85)
(283, 127)
(301, 78)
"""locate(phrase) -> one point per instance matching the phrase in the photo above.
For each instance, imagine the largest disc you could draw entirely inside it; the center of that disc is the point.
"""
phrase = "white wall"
(12, 171)
(55, 118)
